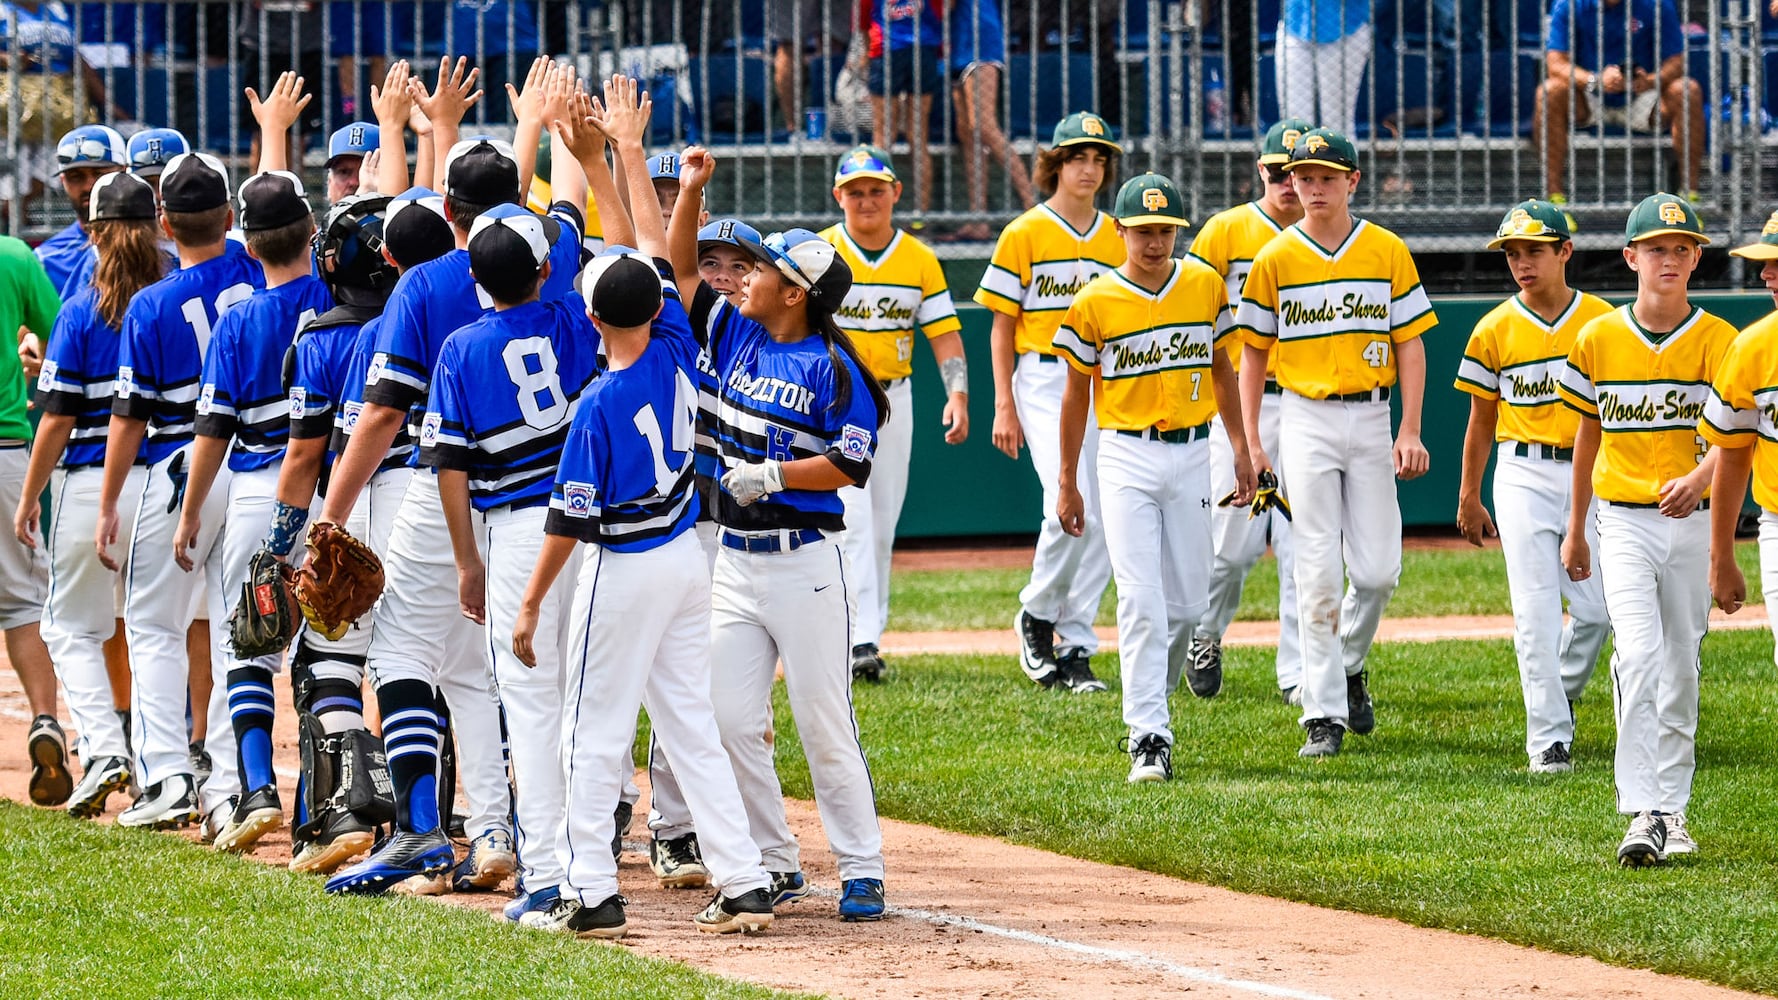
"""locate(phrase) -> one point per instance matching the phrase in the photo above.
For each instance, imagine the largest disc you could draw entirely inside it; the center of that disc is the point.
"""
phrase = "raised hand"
(625, 113)
(281, 106)
(527, 103)
(578, 130)
(393, 103)
(454, 95)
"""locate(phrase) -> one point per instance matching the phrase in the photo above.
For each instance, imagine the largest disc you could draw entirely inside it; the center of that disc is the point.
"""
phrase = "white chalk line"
(1134, 959)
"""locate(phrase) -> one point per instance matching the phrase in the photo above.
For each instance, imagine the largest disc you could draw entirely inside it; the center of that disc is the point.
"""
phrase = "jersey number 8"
(531, 364)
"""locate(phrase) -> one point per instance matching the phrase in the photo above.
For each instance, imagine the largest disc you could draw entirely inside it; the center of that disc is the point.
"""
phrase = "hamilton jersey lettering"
(79, 378)
(1040, 264)
(166, 330)
(1517, 358)
(1743, 406)
(771, 391)
(243, 395)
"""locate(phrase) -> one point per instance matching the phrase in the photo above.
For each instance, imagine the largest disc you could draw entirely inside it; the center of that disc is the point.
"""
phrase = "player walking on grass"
(1146, 351)
(1041, 262)
(166, 330)
(1339, 300)
(74, 391)
(897, 288)
(641, 632)
(1510, 369)
(1640, 377)
(1228, 242)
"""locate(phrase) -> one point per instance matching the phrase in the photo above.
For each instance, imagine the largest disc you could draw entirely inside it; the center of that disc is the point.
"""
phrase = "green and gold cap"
(1149, 198)
(1664, 213)
(1281, 139)
(1764, 248)
(1532, 220)
(1324, 147)
(861, 162)
(1084, 126)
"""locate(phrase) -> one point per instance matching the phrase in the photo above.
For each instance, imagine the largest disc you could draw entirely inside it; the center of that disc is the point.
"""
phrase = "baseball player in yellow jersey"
(1510, 368)
(1143, 345)
(897, 288)
(1041, 261)
(1738, 422)
(1640, 376)
(1228, 243)
(1339, 300)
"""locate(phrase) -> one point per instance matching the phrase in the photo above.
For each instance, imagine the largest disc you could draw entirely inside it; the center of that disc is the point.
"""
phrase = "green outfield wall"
(973, 489)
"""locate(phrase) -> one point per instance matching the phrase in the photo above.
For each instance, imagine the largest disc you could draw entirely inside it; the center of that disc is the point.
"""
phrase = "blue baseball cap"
(728, 232)
(356, 139)
(664, 167)
(808, 262)
(91, 146)
(151, 148)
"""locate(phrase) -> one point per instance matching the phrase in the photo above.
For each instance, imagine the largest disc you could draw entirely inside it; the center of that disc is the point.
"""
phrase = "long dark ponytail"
(841, 350)
(130, 259)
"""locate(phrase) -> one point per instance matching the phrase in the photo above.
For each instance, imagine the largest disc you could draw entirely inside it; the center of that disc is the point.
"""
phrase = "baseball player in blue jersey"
(641, 617)
(502, 393)
(74, 392)
(160, 364)
(327, 675)
(418, 638)
(82, 157)
(243, 418)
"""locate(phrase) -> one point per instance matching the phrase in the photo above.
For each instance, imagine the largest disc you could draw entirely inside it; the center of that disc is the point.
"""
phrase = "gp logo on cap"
(1092, 125)
(1316, 144)
(1292, 136)
(1154, 199)
(1672, 213)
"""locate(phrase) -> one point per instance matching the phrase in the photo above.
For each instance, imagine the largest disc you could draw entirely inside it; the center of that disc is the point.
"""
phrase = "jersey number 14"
(683, 416)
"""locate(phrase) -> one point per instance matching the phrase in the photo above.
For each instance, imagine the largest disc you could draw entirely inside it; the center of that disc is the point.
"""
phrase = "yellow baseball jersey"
(538, 200)
(1648, 394)
(1743, 406)
(1517, 359)
(1040, 263)
(894, 291)
(1149, 353)
(1333, 317)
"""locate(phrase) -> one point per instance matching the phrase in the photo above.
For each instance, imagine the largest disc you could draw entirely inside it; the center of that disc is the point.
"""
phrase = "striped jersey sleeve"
(1479, 372)
(1410, 310)
(937, 315)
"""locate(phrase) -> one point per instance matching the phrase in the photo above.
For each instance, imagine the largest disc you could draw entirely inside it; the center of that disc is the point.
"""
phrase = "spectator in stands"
(367, 32)
(977, 55)
(905, 72)
(790, 23)
(1619, 76)
(479, 29)
(1323, 46)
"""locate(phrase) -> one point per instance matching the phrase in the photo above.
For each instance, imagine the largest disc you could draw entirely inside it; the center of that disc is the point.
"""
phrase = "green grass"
(1432, 820)
(1433, 582)
(100, 910)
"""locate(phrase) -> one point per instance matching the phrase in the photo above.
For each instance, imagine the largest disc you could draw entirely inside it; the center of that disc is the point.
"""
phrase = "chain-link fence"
(1443, 97)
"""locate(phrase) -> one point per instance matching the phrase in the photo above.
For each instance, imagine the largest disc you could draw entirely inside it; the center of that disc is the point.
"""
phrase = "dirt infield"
(975, 917)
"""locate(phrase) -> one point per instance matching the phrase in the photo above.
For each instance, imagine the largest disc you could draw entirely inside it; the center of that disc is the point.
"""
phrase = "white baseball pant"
(24, 572)
(1156, 507)
(1239, 541)
(872, 511)
(532, 697)
(1657, 589)
(1768, 558)
(373, 517)
(793, 606)
(1068, 574)
(1531, 504)
(1326, 76)
(158, 607)
(420, 634)
(1347, 529)
(668, 816)
(83, 606)
(641, 634)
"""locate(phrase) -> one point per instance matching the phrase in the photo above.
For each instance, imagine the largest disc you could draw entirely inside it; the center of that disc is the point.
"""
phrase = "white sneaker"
(1646, 842)
(1679, 839)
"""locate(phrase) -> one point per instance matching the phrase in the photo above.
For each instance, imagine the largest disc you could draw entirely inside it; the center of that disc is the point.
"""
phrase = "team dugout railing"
(1442, 110)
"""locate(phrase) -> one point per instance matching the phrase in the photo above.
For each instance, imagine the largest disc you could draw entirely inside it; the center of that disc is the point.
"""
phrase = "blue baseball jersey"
(320, 361)
(627, 478)
(166, 331)
(704, 457)
(243, 394)
(63, 254)
(79, 378)
(503, 395)
(783, 401)
(345, 419)
(81, 275)
(434, 300)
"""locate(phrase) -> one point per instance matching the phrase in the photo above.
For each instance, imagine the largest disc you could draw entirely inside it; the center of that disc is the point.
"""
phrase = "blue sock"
(251, 707)
(410, 738)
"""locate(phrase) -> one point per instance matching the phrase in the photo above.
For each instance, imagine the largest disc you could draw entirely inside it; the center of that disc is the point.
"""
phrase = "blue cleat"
(861, 899)
(532, 902)
(400, 858)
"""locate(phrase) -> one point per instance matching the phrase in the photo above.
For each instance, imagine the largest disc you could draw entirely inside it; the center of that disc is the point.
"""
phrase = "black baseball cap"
(482, 170)
(508, 245)
(194, 182)
(414, 227)
(120, 196)
(272, 200)
(621, 288)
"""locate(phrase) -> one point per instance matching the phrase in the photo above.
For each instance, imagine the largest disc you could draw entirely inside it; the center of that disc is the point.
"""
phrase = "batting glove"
(754, 481)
